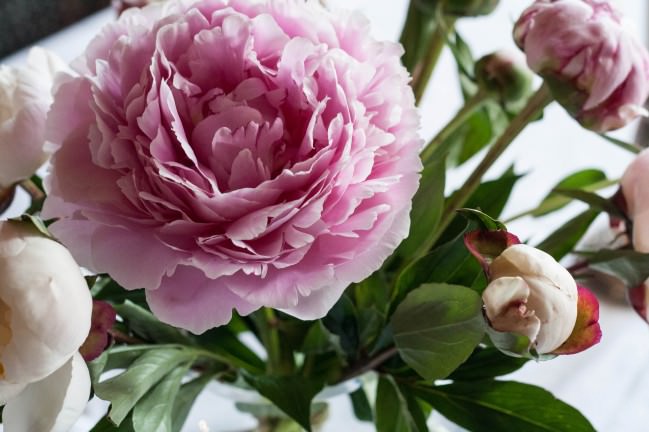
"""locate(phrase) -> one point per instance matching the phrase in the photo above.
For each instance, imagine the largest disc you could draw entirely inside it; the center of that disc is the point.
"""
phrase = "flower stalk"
(424, 70)
(472, 105)
(534, 106)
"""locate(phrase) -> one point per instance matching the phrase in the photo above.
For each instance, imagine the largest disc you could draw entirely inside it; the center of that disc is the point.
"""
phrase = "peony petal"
(587, 331)
(53, 404)
(201, 304)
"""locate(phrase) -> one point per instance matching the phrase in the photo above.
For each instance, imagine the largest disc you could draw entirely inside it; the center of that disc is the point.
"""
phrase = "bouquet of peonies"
(243, 184)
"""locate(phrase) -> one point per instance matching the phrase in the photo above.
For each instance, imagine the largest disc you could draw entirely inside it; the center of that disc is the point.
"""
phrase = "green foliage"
(437, 327)
(292, 394)
(361, 405)
(153, 413)
(427, 207)
(563, 240)
(487, 406)
(394, 411)
(587, 180)
(486, 362)
(125, 390)
(146, 326)
(629, 266)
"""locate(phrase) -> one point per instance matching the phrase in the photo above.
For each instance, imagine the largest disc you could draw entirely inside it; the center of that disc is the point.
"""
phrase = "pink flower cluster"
(231, 154)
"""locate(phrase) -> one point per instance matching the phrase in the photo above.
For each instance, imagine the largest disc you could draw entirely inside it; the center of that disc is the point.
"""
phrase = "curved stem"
(470, 106)
(370, 364)
(534, 106)
(424, 70)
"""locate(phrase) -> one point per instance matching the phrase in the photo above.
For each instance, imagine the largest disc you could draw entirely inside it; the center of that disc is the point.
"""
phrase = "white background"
(607, 383)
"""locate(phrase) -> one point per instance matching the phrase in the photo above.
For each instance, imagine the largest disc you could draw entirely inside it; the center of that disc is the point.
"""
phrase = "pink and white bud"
(635, 189)
(531, 294)
(595, 68)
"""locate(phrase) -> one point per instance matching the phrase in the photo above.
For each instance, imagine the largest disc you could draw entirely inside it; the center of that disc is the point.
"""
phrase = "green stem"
(369, 364)
(534, 106)
(280, 360)
(424, 69)
(470, 106)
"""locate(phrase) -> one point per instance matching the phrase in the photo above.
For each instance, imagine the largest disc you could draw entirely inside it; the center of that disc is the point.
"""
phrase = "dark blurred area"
(23, 22)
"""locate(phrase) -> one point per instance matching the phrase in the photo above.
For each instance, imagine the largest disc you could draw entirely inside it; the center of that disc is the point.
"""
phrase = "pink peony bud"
(636, 196)
(595, 68)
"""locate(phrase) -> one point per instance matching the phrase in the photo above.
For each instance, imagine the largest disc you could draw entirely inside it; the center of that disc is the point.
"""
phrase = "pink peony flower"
(234, 154)
(595, 68)
(24, 100)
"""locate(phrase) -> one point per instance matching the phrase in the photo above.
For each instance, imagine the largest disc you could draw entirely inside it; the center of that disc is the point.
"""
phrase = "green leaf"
(142, 322)
(579, 180)
(437, 327)
(361, 405)
(488, 406)
(153, 412)
(622, 144)
(108, 290)
(593, 200)
(562, 241)
(319, 340)
(97, 366)
(291, 394)
(125, 390)
(105, 425)
(392, 412)
(342, 322)
(486, 363)
(485, 221)
(185, 399)
(629, 266)
(438, 266)
(490, 198)
(224, 343)
(427, 208)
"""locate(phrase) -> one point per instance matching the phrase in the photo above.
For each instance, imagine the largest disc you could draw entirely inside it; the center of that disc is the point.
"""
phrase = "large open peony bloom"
(234, 154)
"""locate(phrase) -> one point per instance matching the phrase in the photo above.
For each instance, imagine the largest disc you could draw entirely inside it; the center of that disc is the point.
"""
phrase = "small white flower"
(533, 295)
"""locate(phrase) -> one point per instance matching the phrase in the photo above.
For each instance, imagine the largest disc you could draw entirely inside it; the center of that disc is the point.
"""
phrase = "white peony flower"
(533, 295)
(45, 314)
(25, 98)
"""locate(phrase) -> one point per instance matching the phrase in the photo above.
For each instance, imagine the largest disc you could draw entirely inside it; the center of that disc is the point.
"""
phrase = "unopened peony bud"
(594, 67)
(635, 190)
(464, 8)
(532, 295)
(45, 309)
(25, 97)
(500, 74)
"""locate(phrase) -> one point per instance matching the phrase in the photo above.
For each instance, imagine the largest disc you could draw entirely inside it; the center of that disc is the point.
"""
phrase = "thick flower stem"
(471, 106)
(280, 360)
(424, 70)
(534, 106)
(370, 364)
